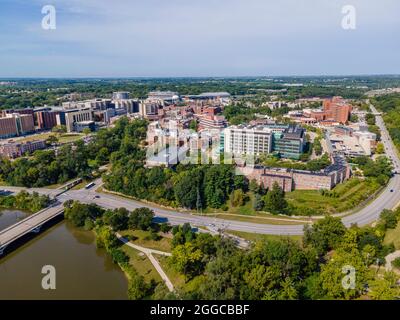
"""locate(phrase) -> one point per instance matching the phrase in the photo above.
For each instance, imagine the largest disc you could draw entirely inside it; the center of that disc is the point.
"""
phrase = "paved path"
(149, 253)
(390, 258)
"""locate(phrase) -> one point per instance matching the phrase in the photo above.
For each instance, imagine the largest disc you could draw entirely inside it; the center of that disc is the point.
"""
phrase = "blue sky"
(132, 38)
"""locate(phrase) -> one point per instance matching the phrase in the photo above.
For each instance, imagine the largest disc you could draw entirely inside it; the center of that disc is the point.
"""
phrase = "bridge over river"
(32, 223)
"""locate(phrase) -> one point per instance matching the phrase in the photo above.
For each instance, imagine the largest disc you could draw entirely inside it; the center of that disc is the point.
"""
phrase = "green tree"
(237, 198)
(385, 288)
(274, 200)
(345, 276)
(137, 288)
(187, 259)
(117, 219)
(141, 218)
(388, 219)
(380, 148)
(325, 234)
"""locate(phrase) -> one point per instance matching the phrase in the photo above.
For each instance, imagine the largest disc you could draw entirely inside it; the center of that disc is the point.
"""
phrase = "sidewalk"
(149, 253)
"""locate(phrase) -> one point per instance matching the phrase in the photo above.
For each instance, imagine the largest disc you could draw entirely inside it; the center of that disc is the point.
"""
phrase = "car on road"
(90, 185)
(391, 190)
(96, 197)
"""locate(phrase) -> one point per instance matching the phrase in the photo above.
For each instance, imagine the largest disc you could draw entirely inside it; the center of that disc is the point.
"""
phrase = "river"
(82, 270)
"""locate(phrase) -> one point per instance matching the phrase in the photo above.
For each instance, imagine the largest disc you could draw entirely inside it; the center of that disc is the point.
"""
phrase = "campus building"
(45, 118)
(16, 124)
(72, 118)
(290, 179)
(334, 110)
(285, 140)
(252, 140)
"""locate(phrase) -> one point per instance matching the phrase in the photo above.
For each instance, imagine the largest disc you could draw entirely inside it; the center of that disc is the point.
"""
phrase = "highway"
(389, 198)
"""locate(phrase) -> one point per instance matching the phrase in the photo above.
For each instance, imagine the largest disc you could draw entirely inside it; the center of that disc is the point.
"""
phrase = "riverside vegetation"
(212, 267)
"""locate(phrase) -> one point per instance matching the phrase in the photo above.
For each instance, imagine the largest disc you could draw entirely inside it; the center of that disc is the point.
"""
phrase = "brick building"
(15, 149)
(16, 124)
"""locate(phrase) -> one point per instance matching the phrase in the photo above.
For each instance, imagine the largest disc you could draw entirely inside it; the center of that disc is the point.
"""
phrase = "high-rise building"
(252, 140)
(285, 140)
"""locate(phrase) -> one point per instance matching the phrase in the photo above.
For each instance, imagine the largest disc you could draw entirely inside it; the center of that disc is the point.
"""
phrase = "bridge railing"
(2, 232)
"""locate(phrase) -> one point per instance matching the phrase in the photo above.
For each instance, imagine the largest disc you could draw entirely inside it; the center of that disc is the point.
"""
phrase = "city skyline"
(94, 39)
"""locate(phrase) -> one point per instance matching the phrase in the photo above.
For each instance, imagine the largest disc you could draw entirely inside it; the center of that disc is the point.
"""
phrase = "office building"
(71, 118)
(285, 140)
(290, 142)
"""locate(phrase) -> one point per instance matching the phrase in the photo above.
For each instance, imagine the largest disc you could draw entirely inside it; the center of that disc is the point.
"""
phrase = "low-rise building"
(290, 179)
(16, 149)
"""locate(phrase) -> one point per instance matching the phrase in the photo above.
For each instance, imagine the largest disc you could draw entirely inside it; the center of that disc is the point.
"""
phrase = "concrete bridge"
(32, 223)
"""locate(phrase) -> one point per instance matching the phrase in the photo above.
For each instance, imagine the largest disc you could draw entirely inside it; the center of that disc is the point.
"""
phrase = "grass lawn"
(64, 138)
(141, 264)
(258, 219)
(260, 237)
(349, 195)
(178, 279)
(164, 244)
(393, 236)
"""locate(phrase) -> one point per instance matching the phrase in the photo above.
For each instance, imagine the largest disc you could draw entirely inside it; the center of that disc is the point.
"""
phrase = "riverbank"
(83, 272)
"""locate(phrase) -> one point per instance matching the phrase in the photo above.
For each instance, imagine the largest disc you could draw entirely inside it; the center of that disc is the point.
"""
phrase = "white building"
(253, 140)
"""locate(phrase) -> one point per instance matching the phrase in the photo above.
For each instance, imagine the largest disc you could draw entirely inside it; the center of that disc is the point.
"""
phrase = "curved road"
(388, 199)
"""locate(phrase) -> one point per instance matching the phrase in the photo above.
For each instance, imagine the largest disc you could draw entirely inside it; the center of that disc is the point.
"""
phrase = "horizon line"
(203, 77)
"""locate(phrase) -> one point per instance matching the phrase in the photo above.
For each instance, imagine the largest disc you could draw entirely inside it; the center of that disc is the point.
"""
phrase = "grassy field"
(393, 236)
(348, 195)
(143, 239)
(141, 264)
(258, 219)
(177, 279)
(63, 138)
(260, 237)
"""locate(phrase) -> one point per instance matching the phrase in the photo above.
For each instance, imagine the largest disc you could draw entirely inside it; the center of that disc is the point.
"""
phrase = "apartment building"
(14, 150)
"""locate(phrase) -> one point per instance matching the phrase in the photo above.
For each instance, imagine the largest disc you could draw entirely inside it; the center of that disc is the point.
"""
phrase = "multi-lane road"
(387, 199)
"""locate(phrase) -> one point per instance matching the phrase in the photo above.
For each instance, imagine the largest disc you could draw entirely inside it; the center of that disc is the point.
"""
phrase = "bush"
(165, 227)
(396, 263)
(388, 219)
(118, 256)
(153, 236)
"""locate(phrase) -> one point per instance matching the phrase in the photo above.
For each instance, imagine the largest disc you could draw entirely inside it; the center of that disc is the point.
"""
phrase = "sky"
(167, 38)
